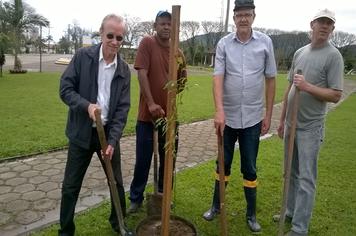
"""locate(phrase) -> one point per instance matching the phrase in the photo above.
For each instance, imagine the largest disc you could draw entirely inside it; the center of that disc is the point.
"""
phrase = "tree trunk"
(17, 63)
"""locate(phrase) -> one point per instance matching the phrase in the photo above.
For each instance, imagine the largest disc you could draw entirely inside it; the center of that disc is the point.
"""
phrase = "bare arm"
(219, 119)
(270, 91)
(155, 109)
(323, 94)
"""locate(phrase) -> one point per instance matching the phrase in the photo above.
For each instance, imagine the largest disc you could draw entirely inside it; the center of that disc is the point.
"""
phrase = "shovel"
(110, 175)
(288, 163)
(154, 201)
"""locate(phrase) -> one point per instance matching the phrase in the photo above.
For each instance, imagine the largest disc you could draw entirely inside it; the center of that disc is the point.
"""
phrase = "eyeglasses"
(118, 38)
(246, 16)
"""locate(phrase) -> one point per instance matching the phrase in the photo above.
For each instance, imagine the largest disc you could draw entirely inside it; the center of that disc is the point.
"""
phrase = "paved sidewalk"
(30, 188)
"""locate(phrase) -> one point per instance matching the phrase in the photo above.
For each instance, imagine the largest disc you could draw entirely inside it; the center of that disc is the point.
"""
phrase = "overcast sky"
(274, 14)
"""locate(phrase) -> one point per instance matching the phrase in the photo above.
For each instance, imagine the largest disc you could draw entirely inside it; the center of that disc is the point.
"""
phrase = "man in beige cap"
(322, 81)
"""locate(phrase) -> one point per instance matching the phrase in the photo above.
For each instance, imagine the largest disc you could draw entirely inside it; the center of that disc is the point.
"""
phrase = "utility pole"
(40, 46)
(49, 38)
(227, 17)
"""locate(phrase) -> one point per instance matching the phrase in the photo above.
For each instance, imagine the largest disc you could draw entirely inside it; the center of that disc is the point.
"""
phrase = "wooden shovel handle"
(288, 162)
(221, 165)
(109, 172)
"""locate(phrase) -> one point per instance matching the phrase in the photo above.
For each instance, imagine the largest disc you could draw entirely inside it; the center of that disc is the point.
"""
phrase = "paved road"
(31, 62)
(30, 187)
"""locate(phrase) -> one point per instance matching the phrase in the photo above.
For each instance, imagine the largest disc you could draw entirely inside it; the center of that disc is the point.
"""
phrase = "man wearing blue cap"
(244, 66)
(152, 64)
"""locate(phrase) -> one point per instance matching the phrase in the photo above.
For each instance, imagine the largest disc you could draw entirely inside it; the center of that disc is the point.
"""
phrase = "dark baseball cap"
(163, 14)
(244, 4)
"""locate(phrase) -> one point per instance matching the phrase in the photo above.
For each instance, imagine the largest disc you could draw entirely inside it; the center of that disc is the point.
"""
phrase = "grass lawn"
(33, 117)
(335, 209)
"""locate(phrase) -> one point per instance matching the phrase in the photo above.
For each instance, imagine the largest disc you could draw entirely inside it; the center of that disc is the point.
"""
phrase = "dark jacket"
(79, 88)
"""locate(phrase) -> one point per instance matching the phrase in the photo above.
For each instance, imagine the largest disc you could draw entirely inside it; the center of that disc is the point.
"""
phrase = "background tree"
(345, 42)
(48, 40)
(341, 39)
(190, 30)
(2, 60)
(4, 39)
(39, 43)
(285, 44)
(31, 40)
(64, 45)
(20, 17)
(146, 28)
(95, 37)
(213, 31)
(271, 31)
(75, 35)
(133, 33)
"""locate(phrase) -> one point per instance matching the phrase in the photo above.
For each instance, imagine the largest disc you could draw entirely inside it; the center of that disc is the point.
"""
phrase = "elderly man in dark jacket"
(96, 78)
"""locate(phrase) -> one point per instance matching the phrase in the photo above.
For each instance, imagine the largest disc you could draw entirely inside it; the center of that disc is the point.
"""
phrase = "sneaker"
(253, 224)
(276, 218)
(134, 207)
(211, 214)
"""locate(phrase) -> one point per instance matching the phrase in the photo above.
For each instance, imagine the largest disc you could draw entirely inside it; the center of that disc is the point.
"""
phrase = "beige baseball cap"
(325, 13)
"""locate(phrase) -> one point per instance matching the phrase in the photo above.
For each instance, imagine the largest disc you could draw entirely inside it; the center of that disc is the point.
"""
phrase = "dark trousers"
(78, 161)
(249, 139)
(144, 151)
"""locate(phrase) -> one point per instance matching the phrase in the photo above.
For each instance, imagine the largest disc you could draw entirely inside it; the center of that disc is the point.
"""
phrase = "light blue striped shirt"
(244, 67)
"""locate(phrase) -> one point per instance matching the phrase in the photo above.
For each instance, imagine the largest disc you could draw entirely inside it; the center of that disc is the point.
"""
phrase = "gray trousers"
(302, 187)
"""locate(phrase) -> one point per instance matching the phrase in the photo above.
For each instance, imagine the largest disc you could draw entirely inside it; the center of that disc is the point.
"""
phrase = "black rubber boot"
(215, 207)
(250, 195)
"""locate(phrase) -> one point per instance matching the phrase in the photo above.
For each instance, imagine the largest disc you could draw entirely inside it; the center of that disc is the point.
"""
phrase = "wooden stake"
(171, 121)
(223, 225)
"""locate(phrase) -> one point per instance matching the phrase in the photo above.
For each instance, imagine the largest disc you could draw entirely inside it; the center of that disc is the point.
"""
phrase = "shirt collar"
(253, 36)
(101, 57)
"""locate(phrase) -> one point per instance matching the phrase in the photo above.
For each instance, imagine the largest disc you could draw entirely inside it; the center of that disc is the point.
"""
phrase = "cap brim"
(323, 16)
(236, 8)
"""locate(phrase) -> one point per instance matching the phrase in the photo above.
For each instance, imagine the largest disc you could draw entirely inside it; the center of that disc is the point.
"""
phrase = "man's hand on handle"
(280, 130)
(109, 152)
(219, 122)
(91, 110)
(300, 82)
(156, 111)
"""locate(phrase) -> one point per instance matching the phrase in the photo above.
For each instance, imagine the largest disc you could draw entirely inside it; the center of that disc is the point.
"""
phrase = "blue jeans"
(144, 151)
(301, 194)
(249, 139)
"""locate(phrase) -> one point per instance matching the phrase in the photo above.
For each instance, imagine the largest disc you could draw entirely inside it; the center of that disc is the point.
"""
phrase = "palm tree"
(4, 39)
(20, 17)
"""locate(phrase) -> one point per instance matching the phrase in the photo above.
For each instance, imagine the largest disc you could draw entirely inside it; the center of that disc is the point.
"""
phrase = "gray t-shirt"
(245, 66)
(322, 67)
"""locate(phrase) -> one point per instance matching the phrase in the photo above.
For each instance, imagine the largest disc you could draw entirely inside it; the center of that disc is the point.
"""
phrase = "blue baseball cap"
(163, 14)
